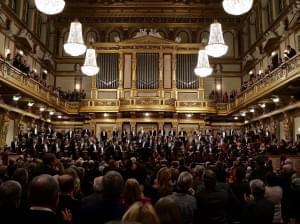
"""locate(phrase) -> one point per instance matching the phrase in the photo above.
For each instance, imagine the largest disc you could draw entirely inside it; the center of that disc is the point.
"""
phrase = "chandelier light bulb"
(216, 45)
(237, 7)
(50, 7)
(75, 45)
(203, 68)
(90, 67)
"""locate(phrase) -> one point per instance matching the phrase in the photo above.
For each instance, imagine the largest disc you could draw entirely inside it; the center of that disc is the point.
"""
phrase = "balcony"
(14, 78)
(275, 80)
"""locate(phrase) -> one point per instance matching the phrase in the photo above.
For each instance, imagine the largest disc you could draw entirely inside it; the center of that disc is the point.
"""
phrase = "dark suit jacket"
(39, 217)
(11, 216)
(258, 212)
(95, 209)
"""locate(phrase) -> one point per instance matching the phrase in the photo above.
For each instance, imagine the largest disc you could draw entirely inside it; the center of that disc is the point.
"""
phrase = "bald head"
(10, 194)
(98, 184)
(43, 191)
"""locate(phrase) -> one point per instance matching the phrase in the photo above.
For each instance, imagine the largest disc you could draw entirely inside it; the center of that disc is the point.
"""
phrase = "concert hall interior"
(150, 111)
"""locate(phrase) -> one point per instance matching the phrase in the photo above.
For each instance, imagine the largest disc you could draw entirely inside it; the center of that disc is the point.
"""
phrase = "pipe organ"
(147, 70)
(185, 76)
(147, 73)
(108, 76)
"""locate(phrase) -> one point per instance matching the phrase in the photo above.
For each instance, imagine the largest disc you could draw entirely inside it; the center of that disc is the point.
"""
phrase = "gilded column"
(133, 81)
(4, 121)
(121, 76)
(161, 69)
(174, 89)
(287, 124)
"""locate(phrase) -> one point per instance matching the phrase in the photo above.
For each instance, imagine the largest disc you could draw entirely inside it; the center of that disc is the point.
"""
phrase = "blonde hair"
(141, 213)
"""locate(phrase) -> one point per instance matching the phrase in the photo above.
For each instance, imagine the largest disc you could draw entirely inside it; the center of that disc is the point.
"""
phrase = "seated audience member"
(67, 199)
(17, 62)
(212, 201)
(141, 213)
(163, 184)
(21, 175)
(133, 193)
(10, 200)
(167, 211)
(48, 167)
(107, 205)
(44, 198)
(291, 51)
(259, 210)
(185, 202)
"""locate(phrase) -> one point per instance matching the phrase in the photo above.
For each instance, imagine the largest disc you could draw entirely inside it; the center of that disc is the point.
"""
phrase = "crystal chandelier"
(237, 7)
(203, 68)
(50, 7)
(75, 45)
(90, 67)
(216, 46)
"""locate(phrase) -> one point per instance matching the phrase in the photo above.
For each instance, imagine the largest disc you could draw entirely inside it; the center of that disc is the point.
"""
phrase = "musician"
(115, 133)
(85, 132)
(152, 132)
(161, 132)
(49, 131)
(182, 135)
(103, 136)
(172, 132)
(15, 144)
(70, 134)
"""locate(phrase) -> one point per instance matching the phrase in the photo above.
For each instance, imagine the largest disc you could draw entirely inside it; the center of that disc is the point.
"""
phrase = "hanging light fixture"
(50, 7)
(75, 45)
(216, 45)
(90, 67)
(237, 7)
(203, 68)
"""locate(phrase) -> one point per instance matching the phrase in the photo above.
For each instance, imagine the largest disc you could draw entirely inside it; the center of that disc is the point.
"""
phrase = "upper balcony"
(270, 83)
(14, 78)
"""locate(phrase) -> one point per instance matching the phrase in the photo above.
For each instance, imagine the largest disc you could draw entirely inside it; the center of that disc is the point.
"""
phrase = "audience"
(189, 177)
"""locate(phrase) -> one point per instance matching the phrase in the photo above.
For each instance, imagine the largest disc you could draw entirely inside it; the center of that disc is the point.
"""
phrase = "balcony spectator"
(291, 51)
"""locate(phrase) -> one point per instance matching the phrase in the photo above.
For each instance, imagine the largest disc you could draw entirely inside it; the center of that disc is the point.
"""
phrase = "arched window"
(184, 36)
(91, 35)
(114, 36)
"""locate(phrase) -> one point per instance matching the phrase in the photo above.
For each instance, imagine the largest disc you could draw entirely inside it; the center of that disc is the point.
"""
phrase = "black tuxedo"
(115, 133)
(85, 132)
(172, 133)
(70, 134)
(292, 53)
(153, 132)
(161, 132)
(49, 131)
(15, 146)
(103, 135)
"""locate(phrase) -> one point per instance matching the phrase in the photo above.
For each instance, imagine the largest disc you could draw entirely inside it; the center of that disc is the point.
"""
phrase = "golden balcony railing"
(99, 105)
(276, 79)
(30, 87)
